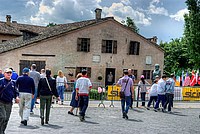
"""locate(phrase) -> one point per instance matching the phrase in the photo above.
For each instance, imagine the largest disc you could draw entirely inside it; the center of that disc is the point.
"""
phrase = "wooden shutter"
(88, 45)
(114, 47)
(138, 47)
(79, 44)
(103, 47)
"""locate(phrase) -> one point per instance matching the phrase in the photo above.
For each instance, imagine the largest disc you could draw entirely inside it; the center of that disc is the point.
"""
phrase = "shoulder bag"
(122, 92)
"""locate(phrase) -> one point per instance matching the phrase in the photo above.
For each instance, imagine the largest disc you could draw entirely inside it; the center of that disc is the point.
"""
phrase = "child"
(153, 94)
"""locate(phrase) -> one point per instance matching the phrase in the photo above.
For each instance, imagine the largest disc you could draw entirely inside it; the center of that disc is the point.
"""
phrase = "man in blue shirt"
(169, 89)
(7, 93)
(14, 75)
(1, 73)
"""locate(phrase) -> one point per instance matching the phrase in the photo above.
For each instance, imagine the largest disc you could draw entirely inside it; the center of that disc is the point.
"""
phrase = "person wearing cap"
(169, 89)
(46, 89)
(14, 75)
(142, 87)
(83, 87)
(26, 87)
(126, 84)
(161, 93)
(36, 77)
(7, 93)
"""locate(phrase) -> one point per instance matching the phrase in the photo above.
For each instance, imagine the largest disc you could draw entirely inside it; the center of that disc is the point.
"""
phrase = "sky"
(161, 18)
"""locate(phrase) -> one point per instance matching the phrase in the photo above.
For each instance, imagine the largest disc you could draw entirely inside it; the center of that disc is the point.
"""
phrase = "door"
(27, 63)
(110, 76)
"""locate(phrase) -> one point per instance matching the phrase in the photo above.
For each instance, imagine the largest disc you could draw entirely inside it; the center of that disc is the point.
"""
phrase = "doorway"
(110, 76)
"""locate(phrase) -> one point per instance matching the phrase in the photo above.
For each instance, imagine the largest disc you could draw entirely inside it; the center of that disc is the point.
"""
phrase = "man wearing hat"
(7, 93)
(26, 87)
(83, 87)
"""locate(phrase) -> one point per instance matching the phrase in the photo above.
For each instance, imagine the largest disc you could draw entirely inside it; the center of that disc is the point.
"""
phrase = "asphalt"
(108, 120)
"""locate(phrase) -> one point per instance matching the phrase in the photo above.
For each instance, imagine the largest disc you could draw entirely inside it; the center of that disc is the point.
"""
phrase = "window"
(146, 74)
(134, 48)
(78, 70)
(83, 45)
(109, 46)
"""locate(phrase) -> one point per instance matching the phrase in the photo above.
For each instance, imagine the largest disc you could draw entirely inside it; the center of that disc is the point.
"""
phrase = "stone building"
(101, 46)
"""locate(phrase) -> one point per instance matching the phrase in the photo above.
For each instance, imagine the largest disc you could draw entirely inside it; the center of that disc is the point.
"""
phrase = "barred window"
(109, 46)
(83, 45)
(78, 70)
(147, 74)
(134, 48)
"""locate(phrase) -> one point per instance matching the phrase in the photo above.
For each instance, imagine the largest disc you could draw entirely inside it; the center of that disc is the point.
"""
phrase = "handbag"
(122, 92)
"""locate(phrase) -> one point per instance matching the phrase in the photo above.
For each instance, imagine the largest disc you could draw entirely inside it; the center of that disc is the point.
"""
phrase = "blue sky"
(161, 18)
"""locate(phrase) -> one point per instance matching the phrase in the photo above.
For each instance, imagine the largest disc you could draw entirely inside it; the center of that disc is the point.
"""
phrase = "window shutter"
(88, 45)
(115, 47)
(79, 44)
(138, 47)
(103, 48)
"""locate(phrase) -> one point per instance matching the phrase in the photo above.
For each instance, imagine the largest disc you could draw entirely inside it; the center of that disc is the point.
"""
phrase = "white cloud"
(120, 11)
(179, 16)
(125, 2)
(30, 4)
(153, 9)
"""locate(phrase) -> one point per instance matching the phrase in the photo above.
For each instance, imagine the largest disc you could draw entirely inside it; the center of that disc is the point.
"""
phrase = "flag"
(187, 80)
(193, 79)
(182, 77)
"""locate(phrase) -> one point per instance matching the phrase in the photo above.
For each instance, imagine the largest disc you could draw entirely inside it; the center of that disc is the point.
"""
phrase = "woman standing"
(61, 82)
(74, 102)
(46, 88)
(142, 87)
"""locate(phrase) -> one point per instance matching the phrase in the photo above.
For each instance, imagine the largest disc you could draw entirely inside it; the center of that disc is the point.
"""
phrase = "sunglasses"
(9, 72)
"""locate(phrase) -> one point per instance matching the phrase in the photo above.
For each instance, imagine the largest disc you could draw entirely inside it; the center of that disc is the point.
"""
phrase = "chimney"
(98, 13)
(154, 39)
(8, 19)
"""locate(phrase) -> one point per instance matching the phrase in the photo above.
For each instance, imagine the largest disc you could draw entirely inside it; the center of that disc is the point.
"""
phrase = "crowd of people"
(25, 90)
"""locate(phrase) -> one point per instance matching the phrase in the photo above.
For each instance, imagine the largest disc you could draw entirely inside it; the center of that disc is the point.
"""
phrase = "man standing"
(36, 77)
(83, 87)
(7, 93)
(26, 87)
(130, 75)
(161, 92)
(170, 83)
(126, 84)
(14, 75)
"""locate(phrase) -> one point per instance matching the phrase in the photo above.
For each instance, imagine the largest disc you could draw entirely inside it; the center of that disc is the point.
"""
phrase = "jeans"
(60, 90)
(143, 98)
(5, 111)
(127, 100)
(25, 105)
(169, 101)
(162, 98)
(45, 103)
(151, 99)
(83, 104)
(34, 99)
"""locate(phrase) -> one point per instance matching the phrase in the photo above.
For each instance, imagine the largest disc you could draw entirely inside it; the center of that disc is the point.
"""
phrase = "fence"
(111, 92)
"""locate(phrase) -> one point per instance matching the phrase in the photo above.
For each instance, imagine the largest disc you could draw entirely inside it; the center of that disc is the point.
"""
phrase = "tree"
(130, 23)
(51, 24)
(175, 57)
(192, 32)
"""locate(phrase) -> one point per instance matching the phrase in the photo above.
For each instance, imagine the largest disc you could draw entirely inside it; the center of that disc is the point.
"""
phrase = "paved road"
(99, 120)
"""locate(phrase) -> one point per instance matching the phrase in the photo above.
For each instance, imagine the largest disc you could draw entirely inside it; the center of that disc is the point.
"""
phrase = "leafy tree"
(51, 24)
(176, 56)
(130, 23)
(192, 32)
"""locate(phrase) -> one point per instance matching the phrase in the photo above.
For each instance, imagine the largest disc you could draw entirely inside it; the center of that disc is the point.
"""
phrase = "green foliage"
(94, 95)
(176, 56)
(192, 32)
(51, 24)
(131, 24)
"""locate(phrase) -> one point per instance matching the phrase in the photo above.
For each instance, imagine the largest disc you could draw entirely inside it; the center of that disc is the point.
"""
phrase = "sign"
(191, 93)
(113, 93)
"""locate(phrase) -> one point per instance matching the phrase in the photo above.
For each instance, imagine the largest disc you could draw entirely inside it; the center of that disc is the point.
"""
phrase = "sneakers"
(125, 116)
(42, 120)
(70, 113)
(81, 118)
(36, 102)
(24, 122)
(31, 112)
(164, 110)
(61, 102)
(148, 108)
(156, 110)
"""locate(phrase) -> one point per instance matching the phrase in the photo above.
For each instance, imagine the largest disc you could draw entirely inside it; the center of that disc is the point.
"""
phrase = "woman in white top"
(61, 83)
